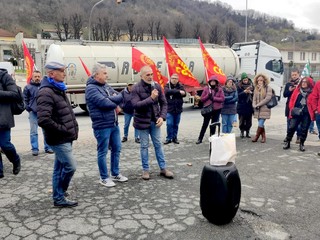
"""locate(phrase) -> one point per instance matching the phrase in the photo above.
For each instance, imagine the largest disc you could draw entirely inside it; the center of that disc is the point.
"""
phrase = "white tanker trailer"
(118, 58)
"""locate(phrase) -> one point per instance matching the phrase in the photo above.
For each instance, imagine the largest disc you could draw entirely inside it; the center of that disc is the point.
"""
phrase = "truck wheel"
(84, 107)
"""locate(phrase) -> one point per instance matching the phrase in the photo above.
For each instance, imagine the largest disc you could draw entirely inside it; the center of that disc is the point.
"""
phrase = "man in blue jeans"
(102, 101)
(8, 93)
(128, 110)
(57, 119)
(150, 107)
(175, 93)
(30, 93)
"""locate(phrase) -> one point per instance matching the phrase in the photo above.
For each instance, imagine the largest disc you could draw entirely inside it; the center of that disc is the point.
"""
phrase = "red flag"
(211, 67)
(28, 61)
(85, 67)
(176, 65)
(139, 60)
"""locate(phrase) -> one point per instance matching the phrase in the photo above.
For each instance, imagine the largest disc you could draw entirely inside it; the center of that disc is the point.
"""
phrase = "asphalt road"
(280, 190)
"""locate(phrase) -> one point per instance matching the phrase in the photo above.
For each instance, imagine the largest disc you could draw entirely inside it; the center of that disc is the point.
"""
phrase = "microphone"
(152, 85)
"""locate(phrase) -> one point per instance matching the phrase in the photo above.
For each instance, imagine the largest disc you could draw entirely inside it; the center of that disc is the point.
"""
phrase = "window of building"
(290, 55)
(313, 56)
(302, 56)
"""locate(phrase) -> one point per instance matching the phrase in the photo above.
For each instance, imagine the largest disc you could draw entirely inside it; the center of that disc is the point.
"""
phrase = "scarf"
(304, 93)
(60, 85)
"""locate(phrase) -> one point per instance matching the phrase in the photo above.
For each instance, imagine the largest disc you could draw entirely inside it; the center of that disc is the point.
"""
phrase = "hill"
(140, 20)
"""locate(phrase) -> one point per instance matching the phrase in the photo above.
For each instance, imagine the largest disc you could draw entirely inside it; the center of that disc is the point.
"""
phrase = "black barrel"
(220, 193)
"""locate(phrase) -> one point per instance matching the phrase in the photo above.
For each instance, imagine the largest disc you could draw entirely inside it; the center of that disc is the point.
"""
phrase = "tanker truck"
(117, 57)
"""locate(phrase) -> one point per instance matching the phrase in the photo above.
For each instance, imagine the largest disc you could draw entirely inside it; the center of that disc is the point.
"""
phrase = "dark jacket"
(287, 93)
(244, 106)
(174, 97)
(55, 115)
(30, 93)
(102, 101)
(230, 101)
(8, 93)
(145, 108)
(126, 104)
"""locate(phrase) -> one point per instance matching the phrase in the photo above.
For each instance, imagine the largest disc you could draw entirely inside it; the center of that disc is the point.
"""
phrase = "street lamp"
(293, 41)
(246, 29)
(91, 16)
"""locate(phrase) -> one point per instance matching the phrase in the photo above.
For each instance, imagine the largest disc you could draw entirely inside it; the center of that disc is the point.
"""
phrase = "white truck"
(260, 57)
(118, 57)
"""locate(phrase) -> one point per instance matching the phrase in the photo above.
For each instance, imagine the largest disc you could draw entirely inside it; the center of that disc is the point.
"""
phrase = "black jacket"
(30, 93)
(55, 115)
(8, 93)
(174, 97)
(145, 108)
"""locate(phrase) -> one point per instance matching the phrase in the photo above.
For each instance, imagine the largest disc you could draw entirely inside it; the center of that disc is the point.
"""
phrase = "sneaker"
(137, 140)
(35, 153)
(65, 203)
(124, 139)
(16, 167)
(49, 151)
(119, 178)
(314, 132)
(166, 173)
(107, 182)
(145, 175)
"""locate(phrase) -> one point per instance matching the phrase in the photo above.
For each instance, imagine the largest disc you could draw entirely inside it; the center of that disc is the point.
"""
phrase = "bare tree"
(151, 24)
(196, 31)
(131, 29)
(65, 24)
(231, 34)
(76, 24)
(158, 30)
(215, 33)
(178, 28)
(115, 34)
(107, 27)
(59, 31)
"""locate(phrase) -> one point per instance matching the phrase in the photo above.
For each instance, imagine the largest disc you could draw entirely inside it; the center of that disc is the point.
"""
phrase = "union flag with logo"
(176, 65)
(211, 67)
(28, 62)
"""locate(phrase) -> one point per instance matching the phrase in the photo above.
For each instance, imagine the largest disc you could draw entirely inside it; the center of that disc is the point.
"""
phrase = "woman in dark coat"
(244, 108)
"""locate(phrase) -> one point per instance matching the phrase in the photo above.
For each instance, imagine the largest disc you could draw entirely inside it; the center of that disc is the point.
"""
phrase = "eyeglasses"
(149, 74)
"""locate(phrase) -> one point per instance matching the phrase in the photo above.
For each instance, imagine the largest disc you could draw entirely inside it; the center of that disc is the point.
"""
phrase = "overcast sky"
(303, 13)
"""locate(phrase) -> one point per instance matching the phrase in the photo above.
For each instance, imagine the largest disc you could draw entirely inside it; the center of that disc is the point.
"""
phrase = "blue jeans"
(155, 134)
(105, 137)
(261, 122)
(318, 123)
(64, 167)
(127, 121)
(34, 133)
(227, 120)
(7, 147)
(173, 121)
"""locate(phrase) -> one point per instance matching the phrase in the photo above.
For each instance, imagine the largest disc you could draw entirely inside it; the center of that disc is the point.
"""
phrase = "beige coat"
(261, 101)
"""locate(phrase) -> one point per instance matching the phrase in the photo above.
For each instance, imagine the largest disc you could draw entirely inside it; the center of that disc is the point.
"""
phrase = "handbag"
(273, 101)
(223, 148)
(18, 107)
(207, 110)
(296, 112)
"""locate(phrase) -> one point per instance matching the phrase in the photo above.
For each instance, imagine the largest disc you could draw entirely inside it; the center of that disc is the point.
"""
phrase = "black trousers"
(304, 121)
(214, 117)
(245, 122)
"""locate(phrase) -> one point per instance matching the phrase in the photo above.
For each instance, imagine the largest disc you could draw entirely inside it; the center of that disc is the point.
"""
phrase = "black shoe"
(242, 134)
(65, 203)
(286, 145)
(301, 147)
(175, 140)
(199, 141)
(124, 139)
(167, 142)
(248, 135)
(49, 151)
(16, 167)
(1, 175)
(66, 194)
(137, 140)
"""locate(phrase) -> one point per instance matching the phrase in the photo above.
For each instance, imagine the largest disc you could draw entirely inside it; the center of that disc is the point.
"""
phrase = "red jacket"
(294, 97)
(314, 100)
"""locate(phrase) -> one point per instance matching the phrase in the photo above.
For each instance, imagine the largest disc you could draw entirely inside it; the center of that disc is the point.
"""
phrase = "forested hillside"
(143, 19)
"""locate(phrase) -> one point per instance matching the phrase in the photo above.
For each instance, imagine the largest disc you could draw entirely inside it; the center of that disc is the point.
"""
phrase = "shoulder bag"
(273, 101)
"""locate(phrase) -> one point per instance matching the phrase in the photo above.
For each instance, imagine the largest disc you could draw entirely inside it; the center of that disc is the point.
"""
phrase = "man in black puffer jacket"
(8, 94)
(150, 109)
(56, 117)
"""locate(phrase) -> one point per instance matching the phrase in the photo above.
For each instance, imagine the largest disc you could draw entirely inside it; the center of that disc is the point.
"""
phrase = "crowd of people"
(149, 106)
